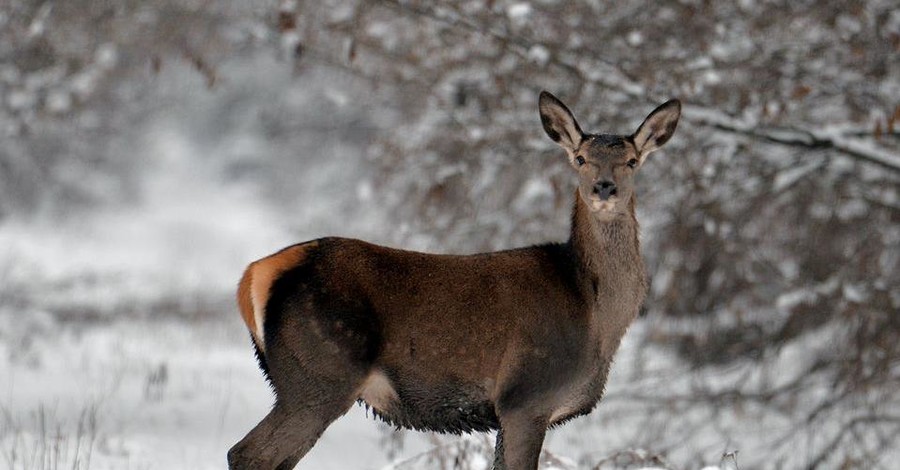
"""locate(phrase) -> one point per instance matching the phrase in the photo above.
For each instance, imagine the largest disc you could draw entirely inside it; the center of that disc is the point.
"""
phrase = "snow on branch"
(827, 138)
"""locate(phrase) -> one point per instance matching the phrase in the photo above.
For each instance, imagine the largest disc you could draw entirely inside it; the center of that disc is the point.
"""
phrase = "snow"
(519, 12)
(539, 55)
(788, 177)
(635, 38)
(534, 191)
(213, 393)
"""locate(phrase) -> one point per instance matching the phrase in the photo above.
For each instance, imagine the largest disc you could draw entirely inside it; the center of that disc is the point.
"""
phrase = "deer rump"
(433, 342)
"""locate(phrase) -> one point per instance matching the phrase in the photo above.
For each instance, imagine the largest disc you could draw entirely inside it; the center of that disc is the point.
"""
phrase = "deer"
(514, 341)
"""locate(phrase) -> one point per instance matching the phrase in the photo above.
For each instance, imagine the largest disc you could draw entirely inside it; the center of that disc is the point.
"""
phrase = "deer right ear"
(559, 123)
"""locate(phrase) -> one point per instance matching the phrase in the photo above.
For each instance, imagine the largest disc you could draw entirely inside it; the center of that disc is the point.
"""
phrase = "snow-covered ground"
(161, 394)
(174, 394)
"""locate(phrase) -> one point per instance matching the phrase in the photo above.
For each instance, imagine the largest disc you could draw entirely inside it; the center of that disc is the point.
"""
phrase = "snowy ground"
(164, 395)
(174, 394)
(160, 394)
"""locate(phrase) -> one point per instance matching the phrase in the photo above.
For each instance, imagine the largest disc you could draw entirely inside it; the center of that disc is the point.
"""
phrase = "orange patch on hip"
(256, 284)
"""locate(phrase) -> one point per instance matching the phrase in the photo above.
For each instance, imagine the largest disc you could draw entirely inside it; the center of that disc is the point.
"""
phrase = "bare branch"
(796, 137)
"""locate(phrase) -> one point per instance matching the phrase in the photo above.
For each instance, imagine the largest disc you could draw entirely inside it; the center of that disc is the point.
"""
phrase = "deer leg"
(305, 445)
(284, 436)
(523, 436)
(316, 364)
(255, 448)
(306, 438)
(499, 463)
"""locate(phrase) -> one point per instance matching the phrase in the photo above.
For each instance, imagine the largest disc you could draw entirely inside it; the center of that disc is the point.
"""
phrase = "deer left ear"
(657, 128)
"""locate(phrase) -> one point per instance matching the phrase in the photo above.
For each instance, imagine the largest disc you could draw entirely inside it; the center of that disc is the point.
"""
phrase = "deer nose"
(605, 189)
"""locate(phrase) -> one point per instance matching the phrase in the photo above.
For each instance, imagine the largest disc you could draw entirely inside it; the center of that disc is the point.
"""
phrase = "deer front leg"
(499, 463)
(519, 441)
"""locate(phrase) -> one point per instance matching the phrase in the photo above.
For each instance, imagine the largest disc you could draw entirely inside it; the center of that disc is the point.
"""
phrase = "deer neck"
(605, 248)
(611, 270)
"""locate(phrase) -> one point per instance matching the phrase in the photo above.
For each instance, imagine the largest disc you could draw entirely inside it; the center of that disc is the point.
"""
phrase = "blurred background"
(150, 149)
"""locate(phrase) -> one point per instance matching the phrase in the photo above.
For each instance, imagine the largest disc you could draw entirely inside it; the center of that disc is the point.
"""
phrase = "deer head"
(606, 163)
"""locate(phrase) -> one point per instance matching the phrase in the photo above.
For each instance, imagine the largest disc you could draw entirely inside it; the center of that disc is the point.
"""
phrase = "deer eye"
(632, 163)
(579, 160)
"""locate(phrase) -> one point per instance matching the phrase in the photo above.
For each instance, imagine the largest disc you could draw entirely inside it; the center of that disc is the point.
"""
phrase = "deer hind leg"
(317, 370)
(260, 447)
(308, 400)
(304, 436)
(307, 403)
(284, 436)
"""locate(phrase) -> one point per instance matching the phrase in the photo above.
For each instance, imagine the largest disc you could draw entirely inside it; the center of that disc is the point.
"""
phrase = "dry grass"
(46, 441)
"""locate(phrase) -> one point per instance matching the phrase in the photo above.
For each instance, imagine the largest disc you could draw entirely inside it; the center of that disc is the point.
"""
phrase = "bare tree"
(73, 76)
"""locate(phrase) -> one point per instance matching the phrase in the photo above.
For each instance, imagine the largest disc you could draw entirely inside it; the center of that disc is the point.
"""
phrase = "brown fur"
(516, 340)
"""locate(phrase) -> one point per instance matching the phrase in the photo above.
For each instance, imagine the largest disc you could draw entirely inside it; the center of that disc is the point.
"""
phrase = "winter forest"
(149, 150)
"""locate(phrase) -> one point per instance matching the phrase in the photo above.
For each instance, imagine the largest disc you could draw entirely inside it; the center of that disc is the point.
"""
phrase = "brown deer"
(514, 341)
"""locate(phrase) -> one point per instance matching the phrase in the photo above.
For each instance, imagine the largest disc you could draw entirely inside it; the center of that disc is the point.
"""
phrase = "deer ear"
(657, 128)
(559, 123)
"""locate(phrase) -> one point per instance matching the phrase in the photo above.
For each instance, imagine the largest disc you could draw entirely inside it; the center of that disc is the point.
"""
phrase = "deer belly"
(446, 408)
